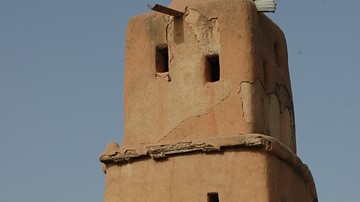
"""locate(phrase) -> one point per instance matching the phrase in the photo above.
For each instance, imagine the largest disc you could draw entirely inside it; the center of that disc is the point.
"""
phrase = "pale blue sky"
(61, 74)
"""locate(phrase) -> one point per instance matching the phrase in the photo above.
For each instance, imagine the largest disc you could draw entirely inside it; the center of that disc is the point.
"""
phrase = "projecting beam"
(165, 10)
(265, 5)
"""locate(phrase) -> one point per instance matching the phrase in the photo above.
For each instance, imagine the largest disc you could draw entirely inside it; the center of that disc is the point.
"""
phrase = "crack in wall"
(270, 113)
(196, 116)
(206, 30)
(285, 101)
(169, 21)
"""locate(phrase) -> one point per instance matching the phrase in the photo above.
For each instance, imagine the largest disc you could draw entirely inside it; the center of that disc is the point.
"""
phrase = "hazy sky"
(61, 93)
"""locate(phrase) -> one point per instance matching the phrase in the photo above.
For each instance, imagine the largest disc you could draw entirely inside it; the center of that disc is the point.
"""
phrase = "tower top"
(261, 5)
(203, 69)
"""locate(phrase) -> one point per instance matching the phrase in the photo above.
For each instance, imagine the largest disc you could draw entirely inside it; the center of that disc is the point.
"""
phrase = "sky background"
(61, 93)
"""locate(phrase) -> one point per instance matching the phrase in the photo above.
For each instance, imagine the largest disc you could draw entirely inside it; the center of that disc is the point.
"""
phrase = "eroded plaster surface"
(206, 31)
(186, 136)
(273, 111)
(249, 160)
(181, 104)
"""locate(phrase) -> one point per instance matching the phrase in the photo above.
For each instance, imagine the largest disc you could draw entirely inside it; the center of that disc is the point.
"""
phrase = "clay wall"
(208, 110)
(286, 184)
(190, 178)
(227, 73)
(247, 175)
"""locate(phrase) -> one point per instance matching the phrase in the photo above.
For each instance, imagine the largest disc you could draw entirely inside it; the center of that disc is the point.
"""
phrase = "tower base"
(244, 167)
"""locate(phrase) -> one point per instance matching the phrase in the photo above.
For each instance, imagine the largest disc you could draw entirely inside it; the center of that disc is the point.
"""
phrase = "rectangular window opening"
(212, 68)
(213, 197)
(265, 73)
(162, 59)
(277, 54)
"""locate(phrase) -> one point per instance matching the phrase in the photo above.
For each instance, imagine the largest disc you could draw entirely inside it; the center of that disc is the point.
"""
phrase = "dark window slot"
(277, 54)
(212, 68)
(162, 59)
(265, 73)
(213, 197)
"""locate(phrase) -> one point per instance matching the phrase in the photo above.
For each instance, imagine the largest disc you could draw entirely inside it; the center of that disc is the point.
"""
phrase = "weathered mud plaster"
(114, 154)
(181, 103)
(184, 84)
(206, 31)
(273, 111)
(186, 135)
(189, 121)
(127, 159)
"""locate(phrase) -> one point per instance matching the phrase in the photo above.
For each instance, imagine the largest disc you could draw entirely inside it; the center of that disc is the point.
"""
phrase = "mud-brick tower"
(208, 109)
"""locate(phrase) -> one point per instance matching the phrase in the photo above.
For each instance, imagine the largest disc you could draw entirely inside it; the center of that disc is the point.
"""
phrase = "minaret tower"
(208, 109)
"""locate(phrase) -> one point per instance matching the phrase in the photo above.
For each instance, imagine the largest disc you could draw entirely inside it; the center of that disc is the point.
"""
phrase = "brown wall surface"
(253, 94)
(174, 107)
(286, 183)
(189, 178)
(235, 175)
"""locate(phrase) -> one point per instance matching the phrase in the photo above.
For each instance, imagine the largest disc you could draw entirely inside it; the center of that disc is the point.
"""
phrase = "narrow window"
(212, 68)
(277, 54)
(213, 197)
(162, 59)
(265, 73)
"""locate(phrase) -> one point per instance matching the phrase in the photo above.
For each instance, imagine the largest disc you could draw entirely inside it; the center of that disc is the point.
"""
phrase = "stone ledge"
(113, 154)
